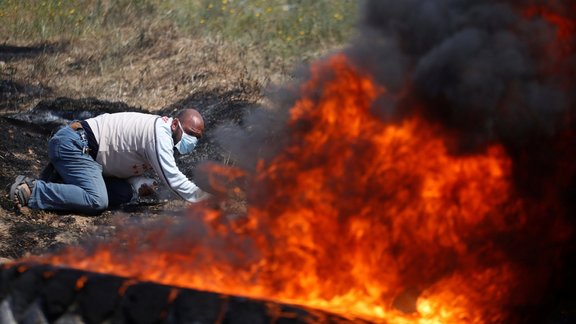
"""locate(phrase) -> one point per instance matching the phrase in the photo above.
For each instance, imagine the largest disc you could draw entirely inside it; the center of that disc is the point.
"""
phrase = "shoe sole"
(17, 182)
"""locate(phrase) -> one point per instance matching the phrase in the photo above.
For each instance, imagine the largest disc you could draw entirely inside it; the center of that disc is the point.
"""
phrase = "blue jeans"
(83, 188)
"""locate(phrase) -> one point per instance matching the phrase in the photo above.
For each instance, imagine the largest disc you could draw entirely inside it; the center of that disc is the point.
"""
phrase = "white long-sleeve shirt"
(131, 143)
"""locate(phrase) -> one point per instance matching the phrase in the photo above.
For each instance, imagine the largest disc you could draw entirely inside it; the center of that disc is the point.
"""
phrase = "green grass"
(285, 28)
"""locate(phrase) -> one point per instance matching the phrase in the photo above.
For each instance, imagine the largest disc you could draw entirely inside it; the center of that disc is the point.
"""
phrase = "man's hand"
(146, 190)
(143, 186)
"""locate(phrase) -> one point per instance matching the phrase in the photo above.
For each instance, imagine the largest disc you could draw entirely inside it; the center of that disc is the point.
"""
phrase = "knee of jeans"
(100, 203)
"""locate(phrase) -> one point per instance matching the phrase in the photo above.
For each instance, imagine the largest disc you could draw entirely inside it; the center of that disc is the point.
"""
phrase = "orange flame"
(356, 216)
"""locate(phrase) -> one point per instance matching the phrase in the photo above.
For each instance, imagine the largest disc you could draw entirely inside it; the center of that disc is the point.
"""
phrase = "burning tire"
(46, 294)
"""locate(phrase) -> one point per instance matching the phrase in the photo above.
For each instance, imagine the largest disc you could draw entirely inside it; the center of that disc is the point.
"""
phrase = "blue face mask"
(187, 142)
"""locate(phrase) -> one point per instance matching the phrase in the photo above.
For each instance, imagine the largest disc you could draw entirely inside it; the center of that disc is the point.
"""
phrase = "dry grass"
(153, 53)
(151, 73)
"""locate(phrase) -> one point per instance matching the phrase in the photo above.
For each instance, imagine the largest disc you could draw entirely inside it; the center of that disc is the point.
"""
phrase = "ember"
(439, 192)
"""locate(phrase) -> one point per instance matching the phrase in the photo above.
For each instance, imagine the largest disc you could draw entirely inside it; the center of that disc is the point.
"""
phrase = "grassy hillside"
(152, 53)
(291, 29)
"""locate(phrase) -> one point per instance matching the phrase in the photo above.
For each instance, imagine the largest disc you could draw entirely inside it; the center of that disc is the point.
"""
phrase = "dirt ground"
(43, 86)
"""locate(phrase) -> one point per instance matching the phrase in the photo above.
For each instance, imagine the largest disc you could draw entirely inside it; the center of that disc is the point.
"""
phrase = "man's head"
(190, 121)
(187, 127)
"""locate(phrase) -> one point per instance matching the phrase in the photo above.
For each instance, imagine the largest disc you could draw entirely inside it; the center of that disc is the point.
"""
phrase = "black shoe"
(21, 190)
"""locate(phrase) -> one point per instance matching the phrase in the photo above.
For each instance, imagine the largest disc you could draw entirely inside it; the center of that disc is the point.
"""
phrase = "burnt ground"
(30, 111)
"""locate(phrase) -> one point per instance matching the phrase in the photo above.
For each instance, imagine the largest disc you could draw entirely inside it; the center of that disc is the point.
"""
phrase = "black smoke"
(481, 68)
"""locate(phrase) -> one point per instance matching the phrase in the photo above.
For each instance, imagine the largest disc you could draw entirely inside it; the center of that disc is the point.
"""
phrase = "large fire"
(365, 216)
(356, 216)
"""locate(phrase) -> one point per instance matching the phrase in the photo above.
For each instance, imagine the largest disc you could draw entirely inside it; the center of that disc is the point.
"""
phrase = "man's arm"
(165, 166)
